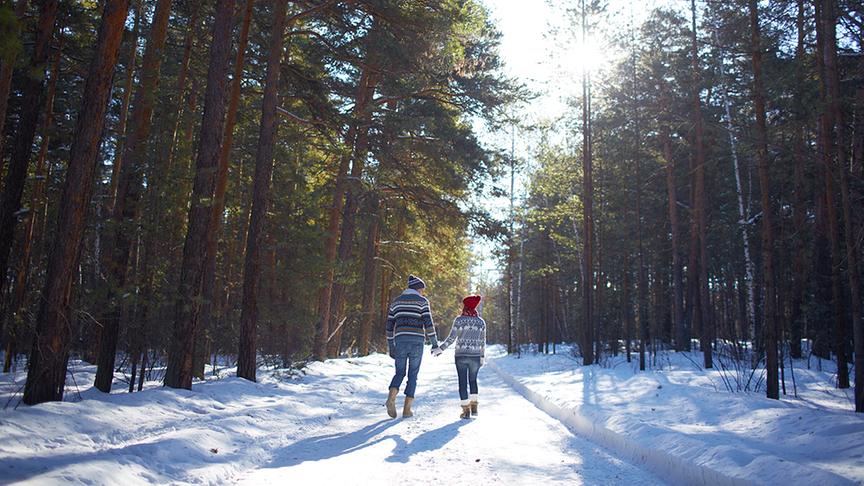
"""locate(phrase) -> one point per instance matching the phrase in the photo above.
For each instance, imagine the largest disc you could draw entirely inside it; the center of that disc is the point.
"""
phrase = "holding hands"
(437, 352)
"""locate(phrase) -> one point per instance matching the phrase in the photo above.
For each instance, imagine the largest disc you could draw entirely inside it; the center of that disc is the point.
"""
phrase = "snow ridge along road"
(655, 459)
(328, 427)
(675, 422)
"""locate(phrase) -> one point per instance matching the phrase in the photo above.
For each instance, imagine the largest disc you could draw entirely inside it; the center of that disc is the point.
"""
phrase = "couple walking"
(410, 324)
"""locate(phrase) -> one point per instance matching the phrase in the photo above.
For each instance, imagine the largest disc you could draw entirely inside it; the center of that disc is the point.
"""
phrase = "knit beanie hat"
(416, 283)
(469, 305)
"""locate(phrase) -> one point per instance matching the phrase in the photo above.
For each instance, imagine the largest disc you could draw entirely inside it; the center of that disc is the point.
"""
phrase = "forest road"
(510, 442)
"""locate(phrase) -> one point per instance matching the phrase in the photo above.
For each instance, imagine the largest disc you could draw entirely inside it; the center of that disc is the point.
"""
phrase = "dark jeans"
(467, 368)
(408, 355)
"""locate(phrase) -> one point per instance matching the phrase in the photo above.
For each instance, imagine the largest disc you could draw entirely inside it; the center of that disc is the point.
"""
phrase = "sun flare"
(587, 55)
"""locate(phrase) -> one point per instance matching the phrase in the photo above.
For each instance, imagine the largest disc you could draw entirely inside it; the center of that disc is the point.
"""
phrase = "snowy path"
(510, 442)
(328, 427)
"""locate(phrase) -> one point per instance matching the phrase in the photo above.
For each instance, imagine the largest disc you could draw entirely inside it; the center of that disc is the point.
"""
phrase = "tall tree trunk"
(588, 216)
(628, 308)
(37, 202)
(823, 288)
(157, 173)
(325, 294)
(743, 213)
(800, 274)
(511, 251)
(209, 290)
(246, 362)
(7, 69)
(370, 267)
(703, 309)
(322, 328)
(125, 211)
(769, 307)
(31, 107)
(841, 172)
(368, 81)
(124, 109)
(46, 374)
(682, 342)
(827, 149)
(858, 133)
(187, 305)
(692, 309)
(641, 275)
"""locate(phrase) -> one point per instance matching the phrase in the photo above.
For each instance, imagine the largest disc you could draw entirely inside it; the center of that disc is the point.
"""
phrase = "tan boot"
(406, 409)
(391, 402)
(473, 408)
(466, 412)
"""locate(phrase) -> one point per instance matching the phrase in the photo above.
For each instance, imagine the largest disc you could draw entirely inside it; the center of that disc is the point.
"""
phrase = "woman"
(469, 334)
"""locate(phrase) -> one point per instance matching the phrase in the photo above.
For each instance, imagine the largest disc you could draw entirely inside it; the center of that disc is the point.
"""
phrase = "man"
(409, 324)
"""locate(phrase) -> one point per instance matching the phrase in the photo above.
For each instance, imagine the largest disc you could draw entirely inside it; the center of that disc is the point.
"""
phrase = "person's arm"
(429, 325)
(390, 329)
(483, 334)
(451, 338)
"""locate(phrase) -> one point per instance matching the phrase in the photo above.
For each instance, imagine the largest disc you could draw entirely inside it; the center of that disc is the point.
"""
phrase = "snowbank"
(676, 423)
(208, 435)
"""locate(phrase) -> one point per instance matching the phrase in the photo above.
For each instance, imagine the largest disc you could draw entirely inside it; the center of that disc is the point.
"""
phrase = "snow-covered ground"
(327, 427)
(684, 424)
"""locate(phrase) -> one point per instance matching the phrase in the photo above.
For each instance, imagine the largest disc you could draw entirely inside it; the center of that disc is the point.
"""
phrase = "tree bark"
(841, 172)
(743, 217)
(325, 294)
(125, 210)
(588, 216)
(31, 107)
(628, 308)
(157, 173)
(360, 148)
(824, 289)
(800, 273)
(124, 109)
(187, 304)
(828, 150)
(37, 202)
(769, 326)
(644, 322)
(681, 340)
(210, 289)
(246, 362)
(322, 328)
(370, 267)
(47, 369)
(703, 309)
(7, 69)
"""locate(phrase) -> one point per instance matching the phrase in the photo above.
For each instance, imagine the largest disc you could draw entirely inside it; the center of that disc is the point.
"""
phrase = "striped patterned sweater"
(409, 315)
(469, 334)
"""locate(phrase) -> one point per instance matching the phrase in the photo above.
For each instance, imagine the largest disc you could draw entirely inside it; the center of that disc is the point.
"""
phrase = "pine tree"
(28, 120)
(187, 303)
(46, 374)
(247, 356)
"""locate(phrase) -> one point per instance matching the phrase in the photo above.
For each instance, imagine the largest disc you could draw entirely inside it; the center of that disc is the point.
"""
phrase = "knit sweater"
(469, 334)
(410, 317)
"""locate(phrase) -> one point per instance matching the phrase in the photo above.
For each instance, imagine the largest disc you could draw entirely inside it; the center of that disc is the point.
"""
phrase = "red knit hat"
(470, 305)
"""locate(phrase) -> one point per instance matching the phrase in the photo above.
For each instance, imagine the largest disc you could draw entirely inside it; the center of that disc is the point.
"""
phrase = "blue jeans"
(408, 355)
(466, 369)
